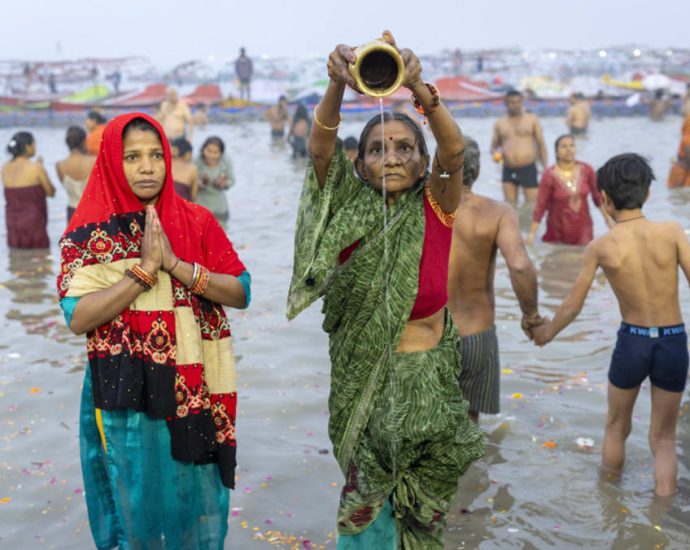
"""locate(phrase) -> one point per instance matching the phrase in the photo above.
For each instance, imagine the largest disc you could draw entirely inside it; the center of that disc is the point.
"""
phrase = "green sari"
(398, 421)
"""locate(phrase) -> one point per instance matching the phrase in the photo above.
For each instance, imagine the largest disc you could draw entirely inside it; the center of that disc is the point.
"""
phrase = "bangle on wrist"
(141, 277)
(195, 275)
(435, 101)
(201, 283)
(174, 266)
(323, 126)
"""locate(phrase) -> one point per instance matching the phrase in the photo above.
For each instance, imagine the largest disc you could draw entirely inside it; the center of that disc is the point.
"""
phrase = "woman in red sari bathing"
(145, 275)
(563, 192)
(27, 185)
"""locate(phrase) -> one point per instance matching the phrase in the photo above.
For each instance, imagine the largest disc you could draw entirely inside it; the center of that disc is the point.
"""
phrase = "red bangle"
(436, 100)
(141, 277)
(201, 283)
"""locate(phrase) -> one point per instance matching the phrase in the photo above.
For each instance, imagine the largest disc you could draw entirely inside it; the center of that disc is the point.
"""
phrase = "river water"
(539, 485)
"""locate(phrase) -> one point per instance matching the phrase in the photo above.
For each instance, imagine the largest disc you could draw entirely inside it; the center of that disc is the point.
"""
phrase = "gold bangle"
(322, 126)
(201, 284)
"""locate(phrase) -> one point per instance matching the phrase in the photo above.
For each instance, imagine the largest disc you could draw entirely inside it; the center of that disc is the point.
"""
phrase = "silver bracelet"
(196, 271)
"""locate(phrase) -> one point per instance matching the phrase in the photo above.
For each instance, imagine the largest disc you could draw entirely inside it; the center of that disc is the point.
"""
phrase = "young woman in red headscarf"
(145, 275)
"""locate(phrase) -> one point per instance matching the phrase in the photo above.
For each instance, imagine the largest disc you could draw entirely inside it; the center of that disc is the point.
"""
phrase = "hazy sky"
(171, 31)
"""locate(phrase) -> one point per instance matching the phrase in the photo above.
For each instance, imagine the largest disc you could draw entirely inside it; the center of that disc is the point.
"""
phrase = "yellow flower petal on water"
(35, 389)
(657, 527)
(5, 500)
(507, 371)
(516, 395)
(549, 444)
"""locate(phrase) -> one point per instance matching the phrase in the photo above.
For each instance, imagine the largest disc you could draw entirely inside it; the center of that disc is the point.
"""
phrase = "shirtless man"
(579, 114)
(483, 226)
(185, 172)
(175, 116)
(518, 140)
(640, 259)
(278, 117)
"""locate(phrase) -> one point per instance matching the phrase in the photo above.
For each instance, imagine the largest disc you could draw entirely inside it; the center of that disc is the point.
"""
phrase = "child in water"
(640, 259)
(216, 177)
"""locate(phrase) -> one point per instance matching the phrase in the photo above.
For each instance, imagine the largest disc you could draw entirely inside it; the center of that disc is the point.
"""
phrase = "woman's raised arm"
(324, 131)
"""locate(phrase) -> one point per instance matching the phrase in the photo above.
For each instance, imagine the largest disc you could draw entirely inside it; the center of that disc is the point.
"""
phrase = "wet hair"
(19, 143)
(350, 143)
(300, 114)
(470, 171)
(75, 138)
(659, 94)
(97, 117)
(215, 140)
(558, 142)
(282, 98)
(388, 117)
(140, 124)
(513, 93)
(626, 179)
(182, 145)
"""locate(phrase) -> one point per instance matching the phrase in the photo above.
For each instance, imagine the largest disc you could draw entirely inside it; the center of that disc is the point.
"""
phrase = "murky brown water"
(522, 495)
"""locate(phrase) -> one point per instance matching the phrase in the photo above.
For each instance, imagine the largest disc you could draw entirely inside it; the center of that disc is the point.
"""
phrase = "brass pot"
(379, 69)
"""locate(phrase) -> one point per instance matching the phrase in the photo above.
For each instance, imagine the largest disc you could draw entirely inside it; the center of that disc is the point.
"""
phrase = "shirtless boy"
(518, 140)
(482, 227)
(278, 117)
(579, 114)
(640, 259)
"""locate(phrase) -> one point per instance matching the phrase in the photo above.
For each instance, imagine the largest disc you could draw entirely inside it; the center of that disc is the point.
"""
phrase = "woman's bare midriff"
(422, 334)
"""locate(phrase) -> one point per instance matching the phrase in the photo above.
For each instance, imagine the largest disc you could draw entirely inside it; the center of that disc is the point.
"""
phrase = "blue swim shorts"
(658, 352)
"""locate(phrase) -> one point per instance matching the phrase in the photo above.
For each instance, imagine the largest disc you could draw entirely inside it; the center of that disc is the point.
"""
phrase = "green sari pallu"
(398, 421)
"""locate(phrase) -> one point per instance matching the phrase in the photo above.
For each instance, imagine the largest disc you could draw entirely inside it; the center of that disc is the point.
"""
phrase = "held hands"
(542, 334)
(529, 322)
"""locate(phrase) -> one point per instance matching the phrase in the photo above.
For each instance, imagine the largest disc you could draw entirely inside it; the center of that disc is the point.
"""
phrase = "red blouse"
(568, 219)
(432, 294)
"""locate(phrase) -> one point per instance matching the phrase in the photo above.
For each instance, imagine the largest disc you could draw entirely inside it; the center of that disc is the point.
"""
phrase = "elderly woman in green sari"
(374, 242)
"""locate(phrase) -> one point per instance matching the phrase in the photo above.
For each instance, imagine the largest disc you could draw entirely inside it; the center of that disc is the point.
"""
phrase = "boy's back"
(640, 259)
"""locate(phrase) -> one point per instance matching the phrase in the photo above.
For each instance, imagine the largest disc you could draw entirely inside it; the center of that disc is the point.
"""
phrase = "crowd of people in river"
(403, 252)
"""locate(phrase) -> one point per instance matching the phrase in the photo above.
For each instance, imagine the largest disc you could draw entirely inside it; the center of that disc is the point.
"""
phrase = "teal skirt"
(137, 496)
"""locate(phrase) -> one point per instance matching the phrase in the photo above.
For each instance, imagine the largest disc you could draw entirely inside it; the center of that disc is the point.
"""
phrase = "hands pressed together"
(156, 252)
